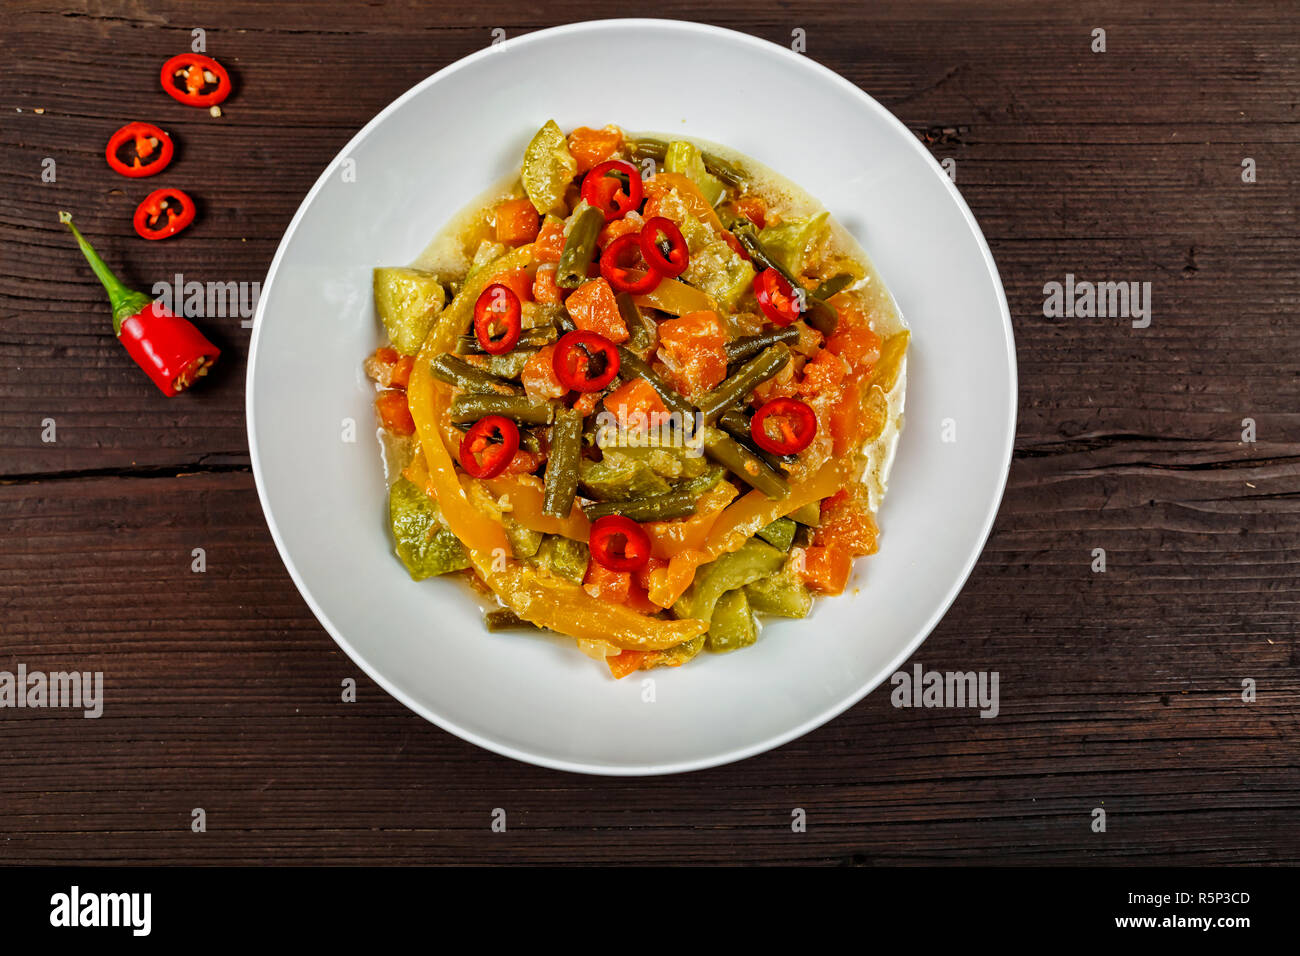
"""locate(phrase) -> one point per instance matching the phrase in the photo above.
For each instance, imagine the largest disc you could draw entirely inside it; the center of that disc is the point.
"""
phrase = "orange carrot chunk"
(517, 222)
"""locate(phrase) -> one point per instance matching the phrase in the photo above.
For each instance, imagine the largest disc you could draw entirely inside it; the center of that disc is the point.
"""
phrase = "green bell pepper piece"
(809, 514)
(733, 625)
(524, 542)
(424, 543)
(685, 158)
(619, 477)
(789, 240)
(780, 533)
(782, 595)
(548, 169)
(564, 557)
(755, 559)
(408, 301)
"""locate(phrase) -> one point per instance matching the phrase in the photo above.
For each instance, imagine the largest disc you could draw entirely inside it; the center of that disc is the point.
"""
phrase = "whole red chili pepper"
(193, 69)
(163, 213)
(169, 348)
(148, 140)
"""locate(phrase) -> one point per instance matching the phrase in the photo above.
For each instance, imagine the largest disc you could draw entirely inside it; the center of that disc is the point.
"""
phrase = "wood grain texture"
(1119, 690)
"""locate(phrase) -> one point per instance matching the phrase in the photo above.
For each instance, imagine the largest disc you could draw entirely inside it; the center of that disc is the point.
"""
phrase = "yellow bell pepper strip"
(566, 607)
(429, 399)
(740, 522)
(542, 600)
(522, 499)
(677, 298)
(668, 538)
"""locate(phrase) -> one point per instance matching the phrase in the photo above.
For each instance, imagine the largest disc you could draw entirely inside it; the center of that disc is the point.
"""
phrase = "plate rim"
(776, 740)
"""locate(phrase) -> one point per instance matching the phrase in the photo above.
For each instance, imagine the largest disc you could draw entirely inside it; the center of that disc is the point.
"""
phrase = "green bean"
(519, 408)
(736, 423)
(579, 248)
(504, 619)
(561, 485)
(681, 501)
(820, 315)
(698, 486)
(456, 371)
(529, 441)
(719, 167)
(631, 366)
(657, 150)
(833, 285)
(674, 504)
(528, 338)
(744, 464)
(749, 376)
(507, 366)
(641, 328)
(748, 346)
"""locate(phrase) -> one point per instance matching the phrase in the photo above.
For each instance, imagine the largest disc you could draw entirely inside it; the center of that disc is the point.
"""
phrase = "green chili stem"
(125, 301)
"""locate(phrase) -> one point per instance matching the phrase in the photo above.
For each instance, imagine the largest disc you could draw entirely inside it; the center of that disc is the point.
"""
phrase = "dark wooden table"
(1121, 690)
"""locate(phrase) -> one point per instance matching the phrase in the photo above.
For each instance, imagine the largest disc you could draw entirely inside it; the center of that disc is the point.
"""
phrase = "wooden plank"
(1120, 690)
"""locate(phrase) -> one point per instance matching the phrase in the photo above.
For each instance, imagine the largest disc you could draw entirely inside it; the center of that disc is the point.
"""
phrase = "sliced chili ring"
(163, 213)
(776, 297)
(195, 80)
(489, 446)
(604, 189)
(623, 278)
(794, 422)
(584, 361)
(658, 233)
(148, 141)
(619, 543)
(498, 308)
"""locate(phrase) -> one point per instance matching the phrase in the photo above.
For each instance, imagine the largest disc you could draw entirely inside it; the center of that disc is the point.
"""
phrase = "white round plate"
(422, 159)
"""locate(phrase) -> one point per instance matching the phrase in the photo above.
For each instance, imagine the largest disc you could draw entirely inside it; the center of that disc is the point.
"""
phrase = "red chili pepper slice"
(658, 233)
(603, 188)
(498, 308)
(150, 150)
(585, 361)
(195, 79)
(619, 543)
(172, 352)
(776, 297)
(163, 213)
(621, 277)
(489, 446)
(794, 422)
